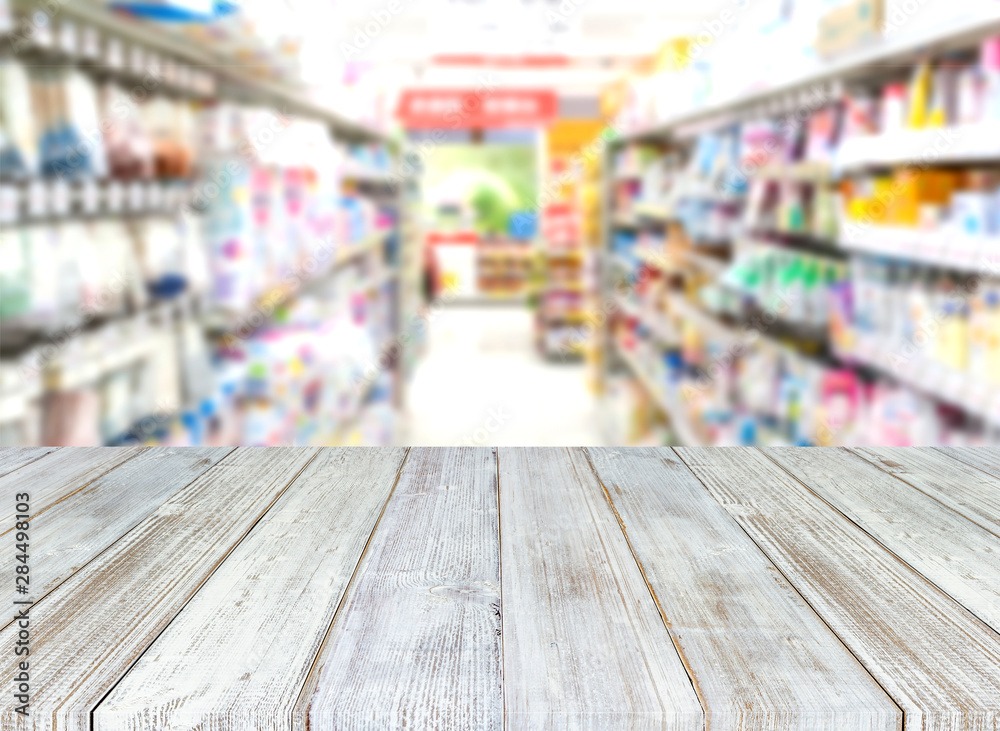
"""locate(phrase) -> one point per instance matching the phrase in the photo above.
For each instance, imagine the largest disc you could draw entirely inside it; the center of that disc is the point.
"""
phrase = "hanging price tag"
(67, 37)
(954, 385)
(43, 29)
(990, 257)
(136, 60)
(115, 197)
(38, 196)
(209, 82)
(154, 196)
(993, 411)
(113, 53)
(6, 18)
(89, 197)
(90, 43)
(10, 203)
(169, 70)
(59, 195)
(153, 67)
(136, 196)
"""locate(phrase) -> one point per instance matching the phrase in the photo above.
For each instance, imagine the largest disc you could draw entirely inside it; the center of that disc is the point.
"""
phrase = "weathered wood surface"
(934, 658)
(56, 476)
(759, 655)
(730, 588)
(260, 619)
(72, 532)
(417, 643)
(950, 551)
(12, 458)
(965, 489)
(986, 459)
(94, 626)
(584, 646)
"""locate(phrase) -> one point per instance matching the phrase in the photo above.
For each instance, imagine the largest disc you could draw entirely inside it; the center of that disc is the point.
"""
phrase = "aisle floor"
(482, 382)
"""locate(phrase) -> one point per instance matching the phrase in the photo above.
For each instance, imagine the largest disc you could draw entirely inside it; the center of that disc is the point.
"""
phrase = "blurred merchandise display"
(784, 50)
(782, 229)
(413, 305)
(183, 267)
(570, 232)
(503, 268)
(818, 264)
(562, 301)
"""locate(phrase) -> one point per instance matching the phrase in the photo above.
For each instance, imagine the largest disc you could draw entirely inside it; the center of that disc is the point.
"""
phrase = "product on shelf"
(503, 267)
(138, 210)
(844, 317)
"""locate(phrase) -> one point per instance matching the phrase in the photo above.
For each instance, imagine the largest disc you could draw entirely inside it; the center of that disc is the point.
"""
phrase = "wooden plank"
(968, 491)
(584, 646)
(951, 552)
(72, 532)
(417, 643)
(986, 459)
(760, 657)
(12, 458)
(262, 617)
(94, 626)
(934, 658)
(57, 476)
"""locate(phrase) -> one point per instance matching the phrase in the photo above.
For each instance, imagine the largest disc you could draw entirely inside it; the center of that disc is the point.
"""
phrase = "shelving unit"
(104, 346)
(88, 33)
(665, 241)
(905, 49)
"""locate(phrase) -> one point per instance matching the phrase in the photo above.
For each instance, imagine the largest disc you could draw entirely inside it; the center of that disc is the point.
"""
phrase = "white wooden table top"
(475, 588)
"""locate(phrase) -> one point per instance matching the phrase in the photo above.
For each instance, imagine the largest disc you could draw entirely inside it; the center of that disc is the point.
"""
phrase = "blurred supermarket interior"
(500, 222)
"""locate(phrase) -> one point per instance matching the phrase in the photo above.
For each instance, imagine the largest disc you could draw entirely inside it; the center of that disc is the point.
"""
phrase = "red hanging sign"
(476, 109)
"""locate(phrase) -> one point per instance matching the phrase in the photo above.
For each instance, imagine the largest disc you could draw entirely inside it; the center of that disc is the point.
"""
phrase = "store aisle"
(481, 381)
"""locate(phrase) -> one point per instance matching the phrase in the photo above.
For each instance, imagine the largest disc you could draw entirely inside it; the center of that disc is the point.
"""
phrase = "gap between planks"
(964, 565)
(649, 587)
(690, 543)
(204, 580)
(71, 541)
(302, 700)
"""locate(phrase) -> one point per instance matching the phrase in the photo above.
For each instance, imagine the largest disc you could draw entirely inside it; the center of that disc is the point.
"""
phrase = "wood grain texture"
(950, 551)
(584, 644)
(986, 459)
(966, 490)
(417, 642)
(94, 626)
(260, 619)
(56, 476)
(934, 658)
(12, 458)
(75, 530)
(760, 657)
